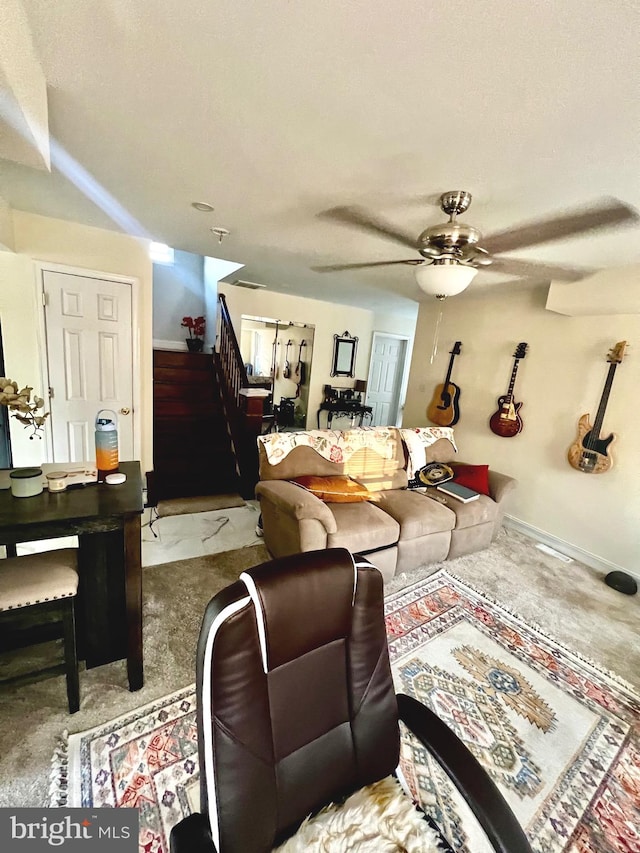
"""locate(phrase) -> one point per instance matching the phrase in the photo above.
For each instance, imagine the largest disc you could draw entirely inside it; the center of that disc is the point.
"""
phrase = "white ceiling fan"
(452, 253)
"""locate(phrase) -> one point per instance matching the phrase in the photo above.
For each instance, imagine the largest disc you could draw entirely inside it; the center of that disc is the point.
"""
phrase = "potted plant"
(196, 325)
(23, 408)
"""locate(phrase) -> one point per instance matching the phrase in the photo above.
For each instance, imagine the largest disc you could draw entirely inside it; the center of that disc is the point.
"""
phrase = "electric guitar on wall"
(301, 370)
(589, 452)
(444, 409)
(287, 364)
(506, 422)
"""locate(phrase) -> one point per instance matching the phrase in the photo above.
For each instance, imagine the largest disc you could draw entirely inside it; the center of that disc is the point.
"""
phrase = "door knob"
(124, 411)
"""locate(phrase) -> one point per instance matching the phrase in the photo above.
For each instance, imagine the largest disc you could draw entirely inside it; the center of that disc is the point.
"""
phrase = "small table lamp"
(360, 386)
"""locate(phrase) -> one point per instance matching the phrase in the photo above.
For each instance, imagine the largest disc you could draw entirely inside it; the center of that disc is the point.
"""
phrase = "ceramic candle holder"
(26, 482)
(57, 481)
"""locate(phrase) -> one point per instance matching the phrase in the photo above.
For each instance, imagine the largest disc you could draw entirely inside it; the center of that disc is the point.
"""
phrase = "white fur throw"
(377, 819)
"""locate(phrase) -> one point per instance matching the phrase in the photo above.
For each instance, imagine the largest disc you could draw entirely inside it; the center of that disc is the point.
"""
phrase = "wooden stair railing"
(245, 413)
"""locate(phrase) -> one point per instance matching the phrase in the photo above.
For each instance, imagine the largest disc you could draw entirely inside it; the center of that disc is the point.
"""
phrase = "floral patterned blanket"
(339, 445)
(418, 439)
(332, 444)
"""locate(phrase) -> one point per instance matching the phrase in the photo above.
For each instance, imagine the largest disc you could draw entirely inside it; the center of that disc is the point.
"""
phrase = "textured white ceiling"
(275, 111)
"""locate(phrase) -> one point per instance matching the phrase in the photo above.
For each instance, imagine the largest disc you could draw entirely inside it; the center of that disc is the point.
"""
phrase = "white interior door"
(88, 323)
(385, 379)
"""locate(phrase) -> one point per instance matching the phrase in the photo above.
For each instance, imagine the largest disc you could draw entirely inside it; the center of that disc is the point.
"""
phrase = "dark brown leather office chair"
(296, 708)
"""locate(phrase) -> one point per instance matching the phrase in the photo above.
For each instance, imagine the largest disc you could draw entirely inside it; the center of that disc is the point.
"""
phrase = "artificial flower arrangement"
(195, 325)
(23, 407)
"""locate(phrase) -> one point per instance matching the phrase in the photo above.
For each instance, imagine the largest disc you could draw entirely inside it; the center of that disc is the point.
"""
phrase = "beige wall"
(21, 343)
(328, 320)
(561, 378)
(40, 238)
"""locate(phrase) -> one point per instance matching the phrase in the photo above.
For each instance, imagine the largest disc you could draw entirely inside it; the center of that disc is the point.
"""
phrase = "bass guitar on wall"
(506, 422)
(590, 453)
(444, 408)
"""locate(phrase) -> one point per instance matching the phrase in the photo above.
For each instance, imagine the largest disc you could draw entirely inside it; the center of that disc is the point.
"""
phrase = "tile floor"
(182, 536)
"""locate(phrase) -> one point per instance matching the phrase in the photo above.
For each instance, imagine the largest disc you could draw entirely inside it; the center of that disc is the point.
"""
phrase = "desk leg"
(133, 592)
(101, 597)
(318, 417)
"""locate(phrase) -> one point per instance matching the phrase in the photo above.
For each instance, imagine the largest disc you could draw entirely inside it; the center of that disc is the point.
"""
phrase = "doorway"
(277, 355)
(386, 375)
(91, 360)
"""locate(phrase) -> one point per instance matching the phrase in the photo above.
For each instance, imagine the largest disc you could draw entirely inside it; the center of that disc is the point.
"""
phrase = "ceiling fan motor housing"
(448, 238)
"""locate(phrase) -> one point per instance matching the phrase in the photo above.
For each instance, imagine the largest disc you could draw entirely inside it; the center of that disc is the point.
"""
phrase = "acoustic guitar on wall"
(444, 408)
(506, 421)
(589, 452)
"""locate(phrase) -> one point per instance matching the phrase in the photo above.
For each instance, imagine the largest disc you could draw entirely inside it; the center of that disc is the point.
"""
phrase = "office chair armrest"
(470, 778)
(192, 835)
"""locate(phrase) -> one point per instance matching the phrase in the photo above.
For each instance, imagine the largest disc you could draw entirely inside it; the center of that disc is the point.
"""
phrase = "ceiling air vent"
(251, 285)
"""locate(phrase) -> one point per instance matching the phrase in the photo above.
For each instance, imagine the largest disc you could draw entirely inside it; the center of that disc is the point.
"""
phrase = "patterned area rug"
(560, 737)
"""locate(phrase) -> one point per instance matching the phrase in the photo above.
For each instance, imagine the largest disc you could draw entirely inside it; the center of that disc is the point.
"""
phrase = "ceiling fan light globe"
(444, 279)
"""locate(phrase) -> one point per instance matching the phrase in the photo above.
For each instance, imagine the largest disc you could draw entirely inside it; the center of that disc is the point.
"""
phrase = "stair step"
(171, 408)
(177, 358)
(186, 375)
(193, 488)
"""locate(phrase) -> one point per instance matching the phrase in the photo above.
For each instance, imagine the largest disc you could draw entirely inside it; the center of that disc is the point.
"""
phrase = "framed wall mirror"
(344, 355)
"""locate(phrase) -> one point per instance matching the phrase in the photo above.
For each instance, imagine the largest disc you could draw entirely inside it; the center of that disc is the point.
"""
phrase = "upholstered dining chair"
(37, 592)
(297, 709)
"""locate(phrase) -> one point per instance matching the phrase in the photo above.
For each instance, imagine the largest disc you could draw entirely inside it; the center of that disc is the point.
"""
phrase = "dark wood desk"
(106, 520)
(345, 409)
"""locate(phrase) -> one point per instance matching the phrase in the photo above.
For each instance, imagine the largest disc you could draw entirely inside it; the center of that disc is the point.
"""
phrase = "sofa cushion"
(417, 514)
(362, 527)
(334, 489)
(475, 512)
(474, 477)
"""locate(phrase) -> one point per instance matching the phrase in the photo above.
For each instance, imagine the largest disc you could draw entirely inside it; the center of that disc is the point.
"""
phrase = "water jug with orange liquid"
(106, 443)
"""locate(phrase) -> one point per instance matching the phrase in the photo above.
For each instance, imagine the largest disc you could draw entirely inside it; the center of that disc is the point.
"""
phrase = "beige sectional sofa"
(399, 529)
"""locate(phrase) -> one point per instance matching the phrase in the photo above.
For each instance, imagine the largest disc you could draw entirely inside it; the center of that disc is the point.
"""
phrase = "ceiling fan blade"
(531, 269)
(360, 218)
(603, 214)
(338, 267)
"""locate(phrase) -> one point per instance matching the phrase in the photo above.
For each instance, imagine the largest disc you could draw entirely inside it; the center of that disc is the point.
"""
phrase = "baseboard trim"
(586, 557)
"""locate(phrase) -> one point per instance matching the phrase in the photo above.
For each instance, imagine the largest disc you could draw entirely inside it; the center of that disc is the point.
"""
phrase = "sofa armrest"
(296, 502)
(500, 485)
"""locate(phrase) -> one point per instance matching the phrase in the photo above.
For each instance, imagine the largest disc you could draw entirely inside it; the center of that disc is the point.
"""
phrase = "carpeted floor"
(558, 735)
(568, 600)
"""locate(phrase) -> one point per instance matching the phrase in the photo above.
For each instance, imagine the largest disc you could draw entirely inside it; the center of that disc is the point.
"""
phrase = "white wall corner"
(606, 292)
(7, 238)
(24, 111)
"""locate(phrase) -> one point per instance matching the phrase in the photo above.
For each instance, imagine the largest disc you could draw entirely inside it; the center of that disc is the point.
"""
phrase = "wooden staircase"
(192, 448)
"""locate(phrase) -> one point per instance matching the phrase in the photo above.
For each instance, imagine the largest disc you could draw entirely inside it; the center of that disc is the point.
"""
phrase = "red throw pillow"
(474, 477)
(337, 488)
